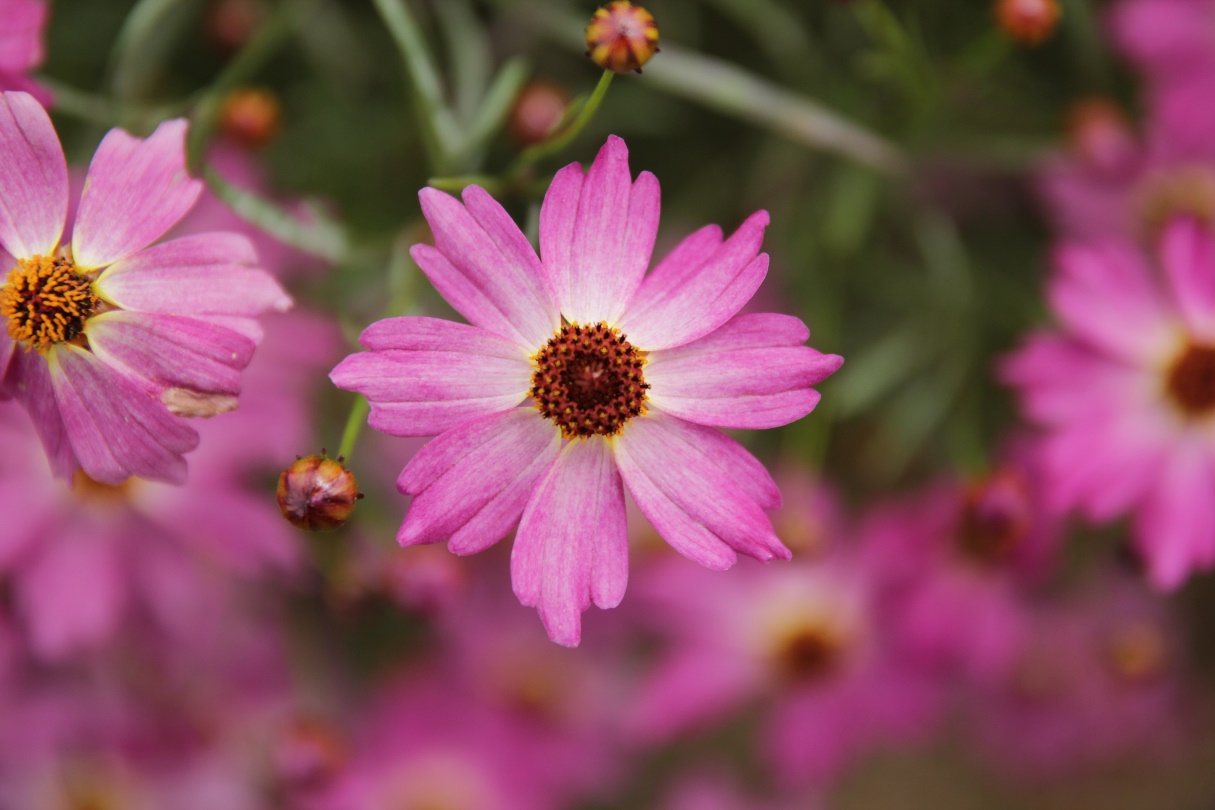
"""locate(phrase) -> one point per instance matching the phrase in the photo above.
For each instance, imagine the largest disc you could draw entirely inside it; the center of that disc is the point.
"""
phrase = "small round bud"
(251, 116)
(317, 493)
(232, 23)
(1028, 22)
(621, 37)
(538, 110)
(309, 754)
(1099, 133)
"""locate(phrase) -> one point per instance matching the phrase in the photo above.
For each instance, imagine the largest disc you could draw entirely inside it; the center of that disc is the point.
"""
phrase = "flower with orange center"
(621, 37)
(110, 341)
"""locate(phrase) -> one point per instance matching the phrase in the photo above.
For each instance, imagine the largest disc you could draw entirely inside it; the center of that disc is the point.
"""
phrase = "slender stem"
(566, 134)
(354, 424)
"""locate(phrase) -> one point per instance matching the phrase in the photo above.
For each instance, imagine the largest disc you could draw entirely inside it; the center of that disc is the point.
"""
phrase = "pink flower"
(109, 342)
(1126, 393)
(805, 643)
(21, 48)
(580, 375)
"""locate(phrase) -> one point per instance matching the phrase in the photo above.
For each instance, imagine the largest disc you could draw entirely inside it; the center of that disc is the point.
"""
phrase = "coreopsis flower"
(21, 45)
(579, 375)
(109, 343)
(1125, 392)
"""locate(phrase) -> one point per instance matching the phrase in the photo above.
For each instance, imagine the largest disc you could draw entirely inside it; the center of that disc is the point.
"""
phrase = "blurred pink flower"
(421, 744)
(711, 790)
(579, 375)
(954, 561)
(804, 642)
(21, 45)
(1126, 393)
(1098, 680)
(85, 560)
(109, 343)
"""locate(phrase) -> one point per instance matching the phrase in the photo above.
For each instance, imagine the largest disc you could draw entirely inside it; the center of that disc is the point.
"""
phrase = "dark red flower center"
(808, 654)
(588, 380)
(45, 301)
(995, 518)
(1191, 380)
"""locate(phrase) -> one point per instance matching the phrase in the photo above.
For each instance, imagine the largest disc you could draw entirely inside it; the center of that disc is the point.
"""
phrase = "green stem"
(354, 424)
(566, 134)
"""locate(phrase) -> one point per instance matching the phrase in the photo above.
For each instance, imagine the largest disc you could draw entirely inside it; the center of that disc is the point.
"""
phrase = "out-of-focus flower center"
(1137, 651)
(995, 518)
(588, 380)
(45, 301)
(90, 491)
(1184, 191)
(1191, 380)
(809, 652)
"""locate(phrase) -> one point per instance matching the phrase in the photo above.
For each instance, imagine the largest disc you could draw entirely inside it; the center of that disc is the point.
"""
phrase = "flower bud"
(251, 116)
(1028, 22)
(317, 493)
(621, 37)
(309, 754)
(538, 110)
(232, 23)
(1101, 136)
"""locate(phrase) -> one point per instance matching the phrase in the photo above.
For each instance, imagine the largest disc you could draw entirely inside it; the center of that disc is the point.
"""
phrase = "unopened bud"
(251, 116)
(537, 112)
(1028, 22)
(1100, 134)
(621, 37)
(317, 493)
(232, 23)
(309, 754)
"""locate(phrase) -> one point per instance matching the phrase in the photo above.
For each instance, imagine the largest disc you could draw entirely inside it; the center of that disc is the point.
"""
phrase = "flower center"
(995, 518)
(1137, 652)
(588, 380)
(808, 653)
(46, 301)
(1191, 380)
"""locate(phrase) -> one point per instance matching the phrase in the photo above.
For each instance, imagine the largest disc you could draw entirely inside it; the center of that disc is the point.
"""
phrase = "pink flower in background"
(1126, 393)
(1098, 680)
(804, 642)
(712, 790)
(420, 744)
(110, 342)
(954, 562)
(580, 375)
(21, 45)
(85, 561)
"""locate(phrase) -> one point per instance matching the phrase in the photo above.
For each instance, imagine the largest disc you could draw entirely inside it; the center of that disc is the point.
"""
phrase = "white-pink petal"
(33, 179)
(28, 381)
(479, 261)
(693, 502)
(698, 287)
(117, 427)
(572, 544)
(1175, 526)
(135, 191)
(597, 234)
(1188, 256)
(204, 274)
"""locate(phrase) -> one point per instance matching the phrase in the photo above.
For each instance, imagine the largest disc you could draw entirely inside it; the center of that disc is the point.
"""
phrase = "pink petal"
(28, 380)
(170, 351)
(572, 544)
(741, 376)
(33, 179)
(693, 689)
(117, 428)
(1106, 295)
(72, 594)
(1105, 465)
(136, 189)
(480, 265)
(697, 288)
(205, 274)
(1160, 33)
(21, 36)
(1175, 528)
(597, 234)
(1188, 257)
(471, 483)
(444, 373)
(695, 505)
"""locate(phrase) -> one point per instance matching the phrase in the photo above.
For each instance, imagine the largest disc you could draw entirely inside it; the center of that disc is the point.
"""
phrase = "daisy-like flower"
(581, 374)
(1126, 393)
(109, 342)
(21, 48)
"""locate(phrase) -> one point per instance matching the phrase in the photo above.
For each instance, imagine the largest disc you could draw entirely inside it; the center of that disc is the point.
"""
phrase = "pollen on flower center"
(1191, 380)
(588, 380)
(46, 301)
